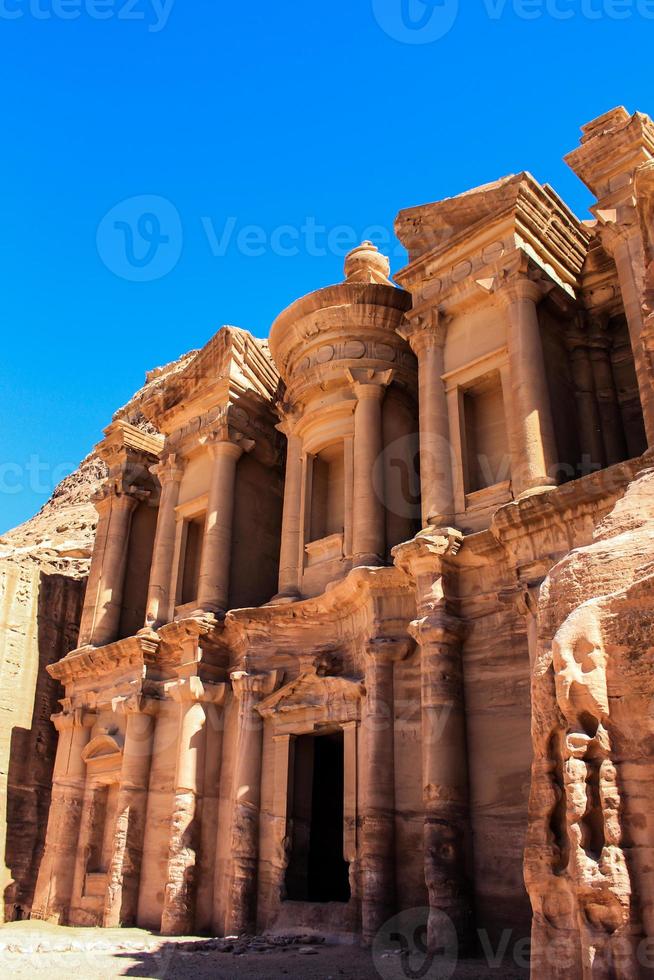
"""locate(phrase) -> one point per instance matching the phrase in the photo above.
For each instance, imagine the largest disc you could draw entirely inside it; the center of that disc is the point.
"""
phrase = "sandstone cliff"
(589, 856)
(43, 567)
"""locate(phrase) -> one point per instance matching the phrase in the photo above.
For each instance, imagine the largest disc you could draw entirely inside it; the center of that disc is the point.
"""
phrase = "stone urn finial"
(365, 263)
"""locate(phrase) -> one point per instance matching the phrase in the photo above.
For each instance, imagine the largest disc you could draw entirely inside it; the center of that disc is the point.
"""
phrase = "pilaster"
(447, 835)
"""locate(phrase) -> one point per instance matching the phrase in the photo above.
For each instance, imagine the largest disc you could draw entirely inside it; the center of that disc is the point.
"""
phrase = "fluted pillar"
(588, 418)
(54, 887)
(249, 689)
(535, 466)
(615, 446)
(213, 583)
(447, 832)
(159, 606)
(121, 900)
(426, 335)
(368, 517)
(290, 570)
(178, 915)
(104, 597)
(377, 864)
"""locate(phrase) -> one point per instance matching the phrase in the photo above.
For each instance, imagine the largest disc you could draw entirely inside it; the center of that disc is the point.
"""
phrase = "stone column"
(626, 249)
(447, 834)
(178, 915)
(291, 546)
(213, 587)
(377, 864)
(615, 446)
(159, 605)
(588, 418)
(121, 900)
(54, 887)
(426, 334)
(103, 605)
(249, 689)
(368, 518)
(534, 469)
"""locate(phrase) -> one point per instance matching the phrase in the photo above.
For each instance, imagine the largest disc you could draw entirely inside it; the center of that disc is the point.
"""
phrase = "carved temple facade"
(302, 689)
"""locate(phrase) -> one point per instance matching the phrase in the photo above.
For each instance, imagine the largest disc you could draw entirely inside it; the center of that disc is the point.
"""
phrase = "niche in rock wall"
(328, 493)
(487, 444)
(256, 533)
(137, 569)
(192, 542)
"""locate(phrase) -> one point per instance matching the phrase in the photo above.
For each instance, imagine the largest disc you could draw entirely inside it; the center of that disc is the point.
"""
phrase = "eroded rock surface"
(589, 852)
(44, 564)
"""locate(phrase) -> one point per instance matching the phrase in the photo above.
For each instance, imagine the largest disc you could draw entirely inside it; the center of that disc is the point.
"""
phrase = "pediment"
(103, 748)
(313, 692)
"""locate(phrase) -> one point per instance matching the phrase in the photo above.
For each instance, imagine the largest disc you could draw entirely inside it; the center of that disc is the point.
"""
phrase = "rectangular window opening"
(194, 537)
(486, 442)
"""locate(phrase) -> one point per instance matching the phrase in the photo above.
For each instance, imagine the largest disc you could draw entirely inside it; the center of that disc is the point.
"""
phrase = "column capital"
(368, 383)
(523, 598)
(289, 416)
(516, 286)
(387, 650)
(616, 226)
(224, 445)
(75, 718)
(256, 685)
(113, 494)
(429, 551)
(439, 627)
(170, 469)
(424, 330)
(192, 690)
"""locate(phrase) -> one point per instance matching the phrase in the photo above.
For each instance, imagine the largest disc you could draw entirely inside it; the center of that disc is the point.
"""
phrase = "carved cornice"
(132, 653)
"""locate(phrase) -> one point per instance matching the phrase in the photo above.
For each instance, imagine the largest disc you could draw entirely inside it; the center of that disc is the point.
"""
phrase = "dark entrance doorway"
(317, 871)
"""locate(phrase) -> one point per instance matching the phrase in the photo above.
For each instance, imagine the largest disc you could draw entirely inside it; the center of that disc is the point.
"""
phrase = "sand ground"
(29, 949)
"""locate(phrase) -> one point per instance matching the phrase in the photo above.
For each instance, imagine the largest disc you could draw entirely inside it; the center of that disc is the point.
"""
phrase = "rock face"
(44, 565)
(590, 842)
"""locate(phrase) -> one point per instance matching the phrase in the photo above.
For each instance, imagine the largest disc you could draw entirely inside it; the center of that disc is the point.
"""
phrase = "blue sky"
(173, 165)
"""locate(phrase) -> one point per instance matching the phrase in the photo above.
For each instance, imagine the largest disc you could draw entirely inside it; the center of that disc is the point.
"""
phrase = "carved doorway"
(317, 871)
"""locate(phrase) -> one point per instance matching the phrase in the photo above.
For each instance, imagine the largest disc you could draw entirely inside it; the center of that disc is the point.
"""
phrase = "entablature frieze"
(482, 282)
(251, 425)
(349, 312)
